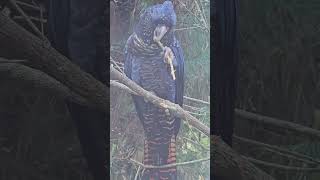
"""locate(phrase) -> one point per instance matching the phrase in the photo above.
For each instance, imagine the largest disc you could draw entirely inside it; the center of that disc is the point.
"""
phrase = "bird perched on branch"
(154, 60)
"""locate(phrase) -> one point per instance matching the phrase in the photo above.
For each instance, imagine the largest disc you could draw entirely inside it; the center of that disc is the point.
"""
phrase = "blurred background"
(279, 78)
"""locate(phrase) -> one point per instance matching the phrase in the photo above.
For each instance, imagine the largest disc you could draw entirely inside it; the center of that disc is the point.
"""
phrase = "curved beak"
(159, 32)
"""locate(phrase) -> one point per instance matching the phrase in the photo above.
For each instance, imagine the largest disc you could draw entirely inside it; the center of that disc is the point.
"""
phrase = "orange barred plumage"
(162, 173)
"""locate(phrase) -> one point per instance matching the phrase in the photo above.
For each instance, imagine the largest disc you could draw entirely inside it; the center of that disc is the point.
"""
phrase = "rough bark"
(229, 165)
(18, 43)
(20, 167)
(38, 79)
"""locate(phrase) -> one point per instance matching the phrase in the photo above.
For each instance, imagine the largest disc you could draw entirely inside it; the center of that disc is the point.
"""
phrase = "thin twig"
(202, 15)
(278, 149)
(301, 130)
(32, 18)
(278, 166)
(196, 114)
(2, 60)
(115, 63)
(187, 28)
(196, 143)
(196, 100)
(168, 59)
(305, 161)
(28, 5)
(41, 22)
(195, 16)
(170, 165)
(192, 107)
(13, 2)
(136, 176)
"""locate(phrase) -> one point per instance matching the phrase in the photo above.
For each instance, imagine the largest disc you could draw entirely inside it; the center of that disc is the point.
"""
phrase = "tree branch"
(18, 43)
(13, 2)
(38, 79)
(229, 165)
(169, 165)
(278, 123)
(28, 170)
(283, 167)
(173, 108)
(276, 149)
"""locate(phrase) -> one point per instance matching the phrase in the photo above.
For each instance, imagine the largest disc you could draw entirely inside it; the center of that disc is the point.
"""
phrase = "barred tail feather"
(152, 156)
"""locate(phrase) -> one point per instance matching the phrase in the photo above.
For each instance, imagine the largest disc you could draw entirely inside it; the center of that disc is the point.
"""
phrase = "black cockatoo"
(145, 64)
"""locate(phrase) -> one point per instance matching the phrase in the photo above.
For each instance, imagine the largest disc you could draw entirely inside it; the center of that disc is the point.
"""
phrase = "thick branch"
(229, 165)
(18, 43)
(38, 79)
(9, 161)
(278, 123)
